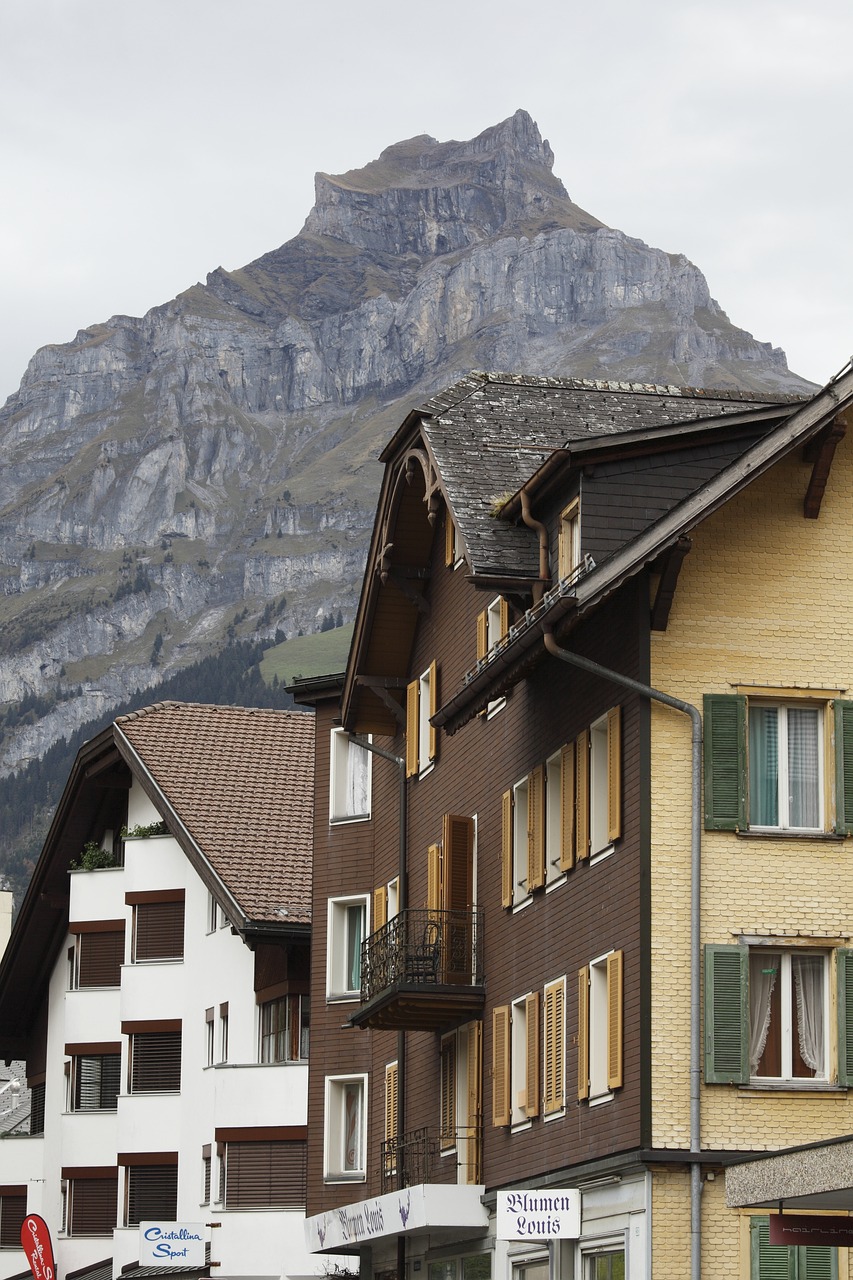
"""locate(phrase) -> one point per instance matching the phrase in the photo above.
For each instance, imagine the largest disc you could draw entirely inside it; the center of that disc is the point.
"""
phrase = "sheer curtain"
(808, 987)
(763, 972)
(358, 759)
(803, 724)
(763, 766)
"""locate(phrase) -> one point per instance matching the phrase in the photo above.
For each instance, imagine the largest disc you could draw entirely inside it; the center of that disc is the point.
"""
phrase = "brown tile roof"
(241, 782)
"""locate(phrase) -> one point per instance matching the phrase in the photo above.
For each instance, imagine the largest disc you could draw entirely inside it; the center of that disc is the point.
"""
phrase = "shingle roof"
(490, 432)
(240, 780)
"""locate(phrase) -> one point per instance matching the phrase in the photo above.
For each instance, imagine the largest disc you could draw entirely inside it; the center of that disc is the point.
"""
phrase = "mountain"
(207, 470)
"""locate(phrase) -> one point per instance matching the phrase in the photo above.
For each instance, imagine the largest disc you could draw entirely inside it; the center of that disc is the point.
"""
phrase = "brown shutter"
(449, 540)
(92, 1205)
(554, 1047)
(380, 907)
(447, 1137)
(99, 959)
(504, 616)
(458, 837)
(391, 1079)
(474, 1063)
(13, 1211)
(158, 931)
(412, 697)
(506, 849)
(501, 1112)
(155, 1062)
(568, 805)
(582, 795)
(614, 773)
(614, 1019)
(433, 707)
(536, 828)
(531, 1015)
(482, 634)
(583, 1032)
(434, 887)
(152, 1193)
(265, 1175)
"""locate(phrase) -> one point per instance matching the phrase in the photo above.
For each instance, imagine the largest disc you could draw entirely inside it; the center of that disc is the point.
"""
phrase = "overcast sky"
(144, 144)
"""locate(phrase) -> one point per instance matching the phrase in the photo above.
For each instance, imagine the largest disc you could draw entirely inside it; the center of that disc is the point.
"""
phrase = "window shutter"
(500, 1066)
(482, 634)
(265, 1175)
(412, 698)
(447, 1137)
(568, 805)
(844, 969)
(433, 707)
(101, 956)
(583, 1032)
(506, 849)
(725, 761)
(582, 795)
(782, 1262)
(152, 1193)
(158, 930)
(93, 1206)
(726, 1014)
(474, 1063)
(434, 892)
(13, 1211)
(380, 907)
(614, 773)
(391, 1102)
(531, 1014)
(536, 828)
(504, 612)
(449, 540)
(614, 1019)
(817, 1262)
(843, 767)
(554, 1047)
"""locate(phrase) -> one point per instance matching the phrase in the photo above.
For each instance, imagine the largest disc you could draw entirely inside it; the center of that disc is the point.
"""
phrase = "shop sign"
(180, 1243)
(811, 1228)
(539, 1215)
(35, 1242)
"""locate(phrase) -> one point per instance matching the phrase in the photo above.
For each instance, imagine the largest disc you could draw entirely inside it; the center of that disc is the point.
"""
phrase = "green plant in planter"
(93, 858)
(140, 832)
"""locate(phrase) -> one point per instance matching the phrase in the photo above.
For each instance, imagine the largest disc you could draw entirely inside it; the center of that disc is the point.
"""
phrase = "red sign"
(810, 1228)
(35, 1242)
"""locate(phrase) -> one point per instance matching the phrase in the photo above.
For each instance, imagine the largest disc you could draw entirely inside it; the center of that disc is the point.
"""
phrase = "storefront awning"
(428, 1207)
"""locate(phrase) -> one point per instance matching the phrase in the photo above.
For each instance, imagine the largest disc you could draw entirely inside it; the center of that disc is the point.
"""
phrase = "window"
(155, 1060)
(209, 1038)
(98, 954)
(591, 791)
(492, 626)
(347, 929)
(91, 1203)
(350, 779)
(783, 1262)
(36, 1107)
(284, 1024)
(515, 1061)
(386, 903)
(206, 1162)
(265, 1175)
(767, 1015)
(95, 1081)
(212, 913)
(13, 1210)
(523, 838)
(767, 763)
(461, 1107)
(345, 1128)
(158, 925)
(223, 1032)
(151, 1192)
(600, 1033)
(421, 737)
(554, 1047)
(569, 552)
(608, 1264)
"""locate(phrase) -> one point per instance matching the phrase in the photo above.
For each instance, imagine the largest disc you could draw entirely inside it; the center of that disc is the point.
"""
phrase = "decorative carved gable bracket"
(669, 571)
(382, 689)
(820, 452)
(402, 581)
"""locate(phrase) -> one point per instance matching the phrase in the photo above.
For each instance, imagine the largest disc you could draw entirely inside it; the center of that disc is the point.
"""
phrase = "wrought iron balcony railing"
(427, 1155)
(423, 948)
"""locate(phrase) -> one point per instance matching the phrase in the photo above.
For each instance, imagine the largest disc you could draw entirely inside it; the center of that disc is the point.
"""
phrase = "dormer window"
(569, 550)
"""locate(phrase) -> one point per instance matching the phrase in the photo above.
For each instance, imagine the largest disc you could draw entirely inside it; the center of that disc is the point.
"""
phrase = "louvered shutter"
(536, 828)
(206, 1169)
(583, 1032)
(449, 540)
(843, 766)
(725, 762)
(501, 1112)
(100, 957)
(474, 1112)
(506, 849)
(568, 806)
(844, 972)
(152, 1193)
(412, 701)
(531, 1016)
(614, 773)
(93, 1206)
(391, 1079)
(582, 795)
(726, 1014)
(782, 1262)
(155, 1062)
(265, 1175)
(380, 907)
(447, 1137)
(614, 1019)
(158, 930)
(482, 634)
(553, 1017)
(504, 616)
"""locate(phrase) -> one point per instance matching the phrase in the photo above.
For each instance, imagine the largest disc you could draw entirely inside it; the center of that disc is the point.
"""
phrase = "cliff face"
(159, 475)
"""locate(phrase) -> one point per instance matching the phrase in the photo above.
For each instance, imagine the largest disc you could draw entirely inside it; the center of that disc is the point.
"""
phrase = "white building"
(161, 1003)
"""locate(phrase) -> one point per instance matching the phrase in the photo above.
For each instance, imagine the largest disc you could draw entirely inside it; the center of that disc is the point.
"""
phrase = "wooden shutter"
(504, 616)
(783, 1262)
(433, 707)
(482, 634)
(152, 1193)
(501, 1110)
(380, 907)
(531, 1015)
(434, 887)
(412, 701)
(554, 1019)
(725, 762)
(506, 849)
(844, 974)
(614, 1019)
(614, 774)
(155, 1062)
(13, 1210)
(265, 1175)
(93, 1205)
(843, 767)
(100, 957)
(447, 1137)
(568, 805)
(726, 1014)
(582, 795)
(449, 540)
(536, 828)
(391, 1094)
(158, 930)
(457, 895)
(583, 1032)
(474, 1112)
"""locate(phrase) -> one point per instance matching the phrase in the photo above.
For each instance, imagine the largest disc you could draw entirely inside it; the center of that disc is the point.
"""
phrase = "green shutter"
(782, 1262)
(843, 766)
(817, 1262)
(844, 963)
(726, 1015)
(725, 762)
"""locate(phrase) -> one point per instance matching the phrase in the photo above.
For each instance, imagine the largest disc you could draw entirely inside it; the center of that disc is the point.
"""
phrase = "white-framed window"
(209, 1037)
(284, 1025)
(785, 766)
(350, 779)
(520, 840)
(497, 624)
(554, 857)
(524, 1059)
(600, 1033)
(569, 554)
(421, 737)
(223, 1032)
(345, 1129)
(460, 1076)
(523, 839)
(212, 913)
(599, 783)
(347, 929)
(604, 1262)
(788, 1015)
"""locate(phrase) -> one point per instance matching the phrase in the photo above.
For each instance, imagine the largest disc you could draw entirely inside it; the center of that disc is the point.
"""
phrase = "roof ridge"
(177, 703)
(634, 388)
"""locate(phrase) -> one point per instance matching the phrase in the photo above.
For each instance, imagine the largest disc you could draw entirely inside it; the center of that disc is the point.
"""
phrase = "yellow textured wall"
(765, 598)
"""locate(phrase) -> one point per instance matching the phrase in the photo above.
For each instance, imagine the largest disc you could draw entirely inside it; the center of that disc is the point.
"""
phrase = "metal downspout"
(530, 520)
(646, 691)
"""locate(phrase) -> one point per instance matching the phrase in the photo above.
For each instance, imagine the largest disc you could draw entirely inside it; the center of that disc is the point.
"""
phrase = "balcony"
(422, 971)
(430, 1156)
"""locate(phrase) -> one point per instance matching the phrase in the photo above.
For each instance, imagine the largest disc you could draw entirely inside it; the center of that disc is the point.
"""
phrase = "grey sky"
(142, 145)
